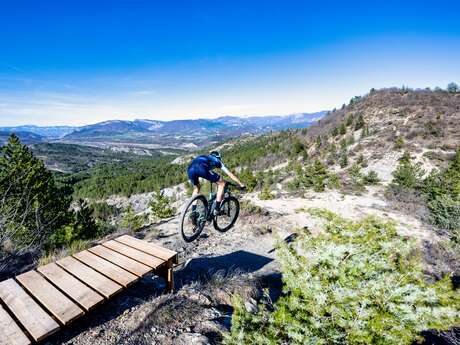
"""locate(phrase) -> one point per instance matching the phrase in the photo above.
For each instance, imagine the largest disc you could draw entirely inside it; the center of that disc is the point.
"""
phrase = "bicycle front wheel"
(193, 218)
(229, 211)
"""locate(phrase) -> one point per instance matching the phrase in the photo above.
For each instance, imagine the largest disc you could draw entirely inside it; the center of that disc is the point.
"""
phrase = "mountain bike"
(198, 211)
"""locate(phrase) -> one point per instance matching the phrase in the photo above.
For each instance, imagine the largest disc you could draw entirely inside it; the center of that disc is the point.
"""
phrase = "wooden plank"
(135, 254)
(34, 319)
(10, 333)
(95, 280)
(51, 298)
(123, 261)
(149, 248)
(75, 289)
(105, 267)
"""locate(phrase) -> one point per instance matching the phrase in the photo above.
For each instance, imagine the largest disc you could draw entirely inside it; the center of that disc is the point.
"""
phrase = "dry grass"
(57, 254)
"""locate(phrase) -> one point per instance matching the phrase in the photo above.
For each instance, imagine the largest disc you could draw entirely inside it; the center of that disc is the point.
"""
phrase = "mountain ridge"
(182, 133)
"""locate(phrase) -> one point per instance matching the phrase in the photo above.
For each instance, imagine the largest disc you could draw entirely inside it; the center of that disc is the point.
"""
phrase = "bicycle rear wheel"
(229, 211)
(193, 220)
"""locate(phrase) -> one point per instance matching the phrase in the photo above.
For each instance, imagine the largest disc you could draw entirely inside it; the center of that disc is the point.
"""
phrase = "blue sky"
(80, 62)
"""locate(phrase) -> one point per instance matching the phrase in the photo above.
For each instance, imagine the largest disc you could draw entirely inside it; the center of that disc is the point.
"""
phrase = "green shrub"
(343, 161)
(399, 143)
(442, 191)
(248, 178)
(131, 222)
(371, 178)
(160, 205)
(82, 228)
(360, 123)
(445, 213)
(365, 132)
(357, 283)
(266, 193)
(407, 175)
(249, 208)
(361, 160)
(349, 120)
(297, 146)
(357, 178)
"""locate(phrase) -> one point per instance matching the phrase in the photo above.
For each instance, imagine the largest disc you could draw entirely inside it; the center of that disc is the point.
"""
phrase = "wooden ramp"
(37, 303)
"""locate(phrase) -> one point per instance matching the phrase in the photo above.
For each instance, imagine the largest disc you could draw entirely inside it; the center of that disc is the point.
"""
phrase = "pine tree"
(32, 205)
(160, 205)
(131, 221)
(407, 175)
(357, 282)
(360, 123)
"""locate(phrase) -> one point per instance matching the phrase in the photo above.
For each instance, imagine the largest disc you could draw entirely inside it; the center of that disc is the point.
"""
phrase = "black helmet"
(216, 154)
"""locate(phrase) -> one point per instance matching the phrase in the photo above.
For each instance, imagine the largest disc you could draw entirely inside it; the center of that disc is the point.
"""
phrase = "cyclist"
(202, 166)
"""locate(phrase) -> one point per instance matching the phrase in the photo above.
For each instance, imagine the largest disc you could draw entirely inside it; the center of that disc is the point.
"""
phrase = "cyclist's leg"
(193, 174)
(220, 189)
(217, 179)
(196, 189)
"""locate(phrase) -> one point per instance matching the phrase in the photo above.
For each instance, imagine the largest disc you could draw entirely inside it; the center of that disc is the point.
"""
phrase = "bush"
(407, 175)
(248, 178)
(371, 178)
(399, 143)
(160, 206)
(266, 193)
(356, 177)
(357, 283)
(131, 222)
(314, 176)
(82, 228)
(442, 191)
(445, 213)
(360, 123)
(343, 161)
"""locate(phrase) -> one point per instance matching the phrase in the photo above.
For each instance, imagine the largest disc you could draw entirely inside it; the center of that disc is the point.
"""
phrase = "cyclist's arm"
(231, 175)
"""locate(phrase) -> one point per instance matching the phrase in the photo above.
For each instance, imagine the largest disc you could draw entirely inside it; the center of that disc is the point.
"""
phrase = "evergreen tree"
(360, 123)
(85, 224)
(356, 283)
(248, 178)
(453, 87)
(407, 175)
(32, 205)
(131, 221)
(160, 205)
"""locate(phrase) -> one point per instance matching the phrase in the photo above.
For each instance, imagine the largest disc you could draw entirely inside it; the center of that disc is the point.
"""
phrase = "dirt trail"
(371, 202)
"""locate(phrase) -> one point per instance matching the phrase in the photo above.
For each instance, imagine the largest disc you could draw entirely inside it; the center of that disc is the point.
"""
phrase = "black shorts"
(195, 171)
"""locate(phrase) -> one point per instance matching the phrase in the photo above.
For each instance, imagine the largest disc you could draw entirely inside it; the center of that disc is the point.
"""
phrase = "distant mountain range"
(176, 133)
(50, 132)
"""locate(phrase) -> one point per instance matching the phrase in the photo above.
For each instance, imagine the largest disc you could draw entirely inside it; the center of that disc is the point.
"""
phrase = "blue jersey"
(209, 161)
(202, 166)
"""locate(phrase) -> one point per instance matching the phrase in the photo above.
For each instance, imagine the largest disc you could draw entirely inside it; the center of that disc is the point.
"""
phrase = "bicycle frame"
(212, 198)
